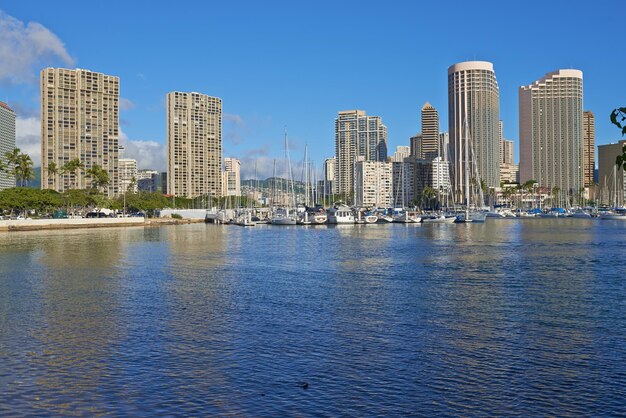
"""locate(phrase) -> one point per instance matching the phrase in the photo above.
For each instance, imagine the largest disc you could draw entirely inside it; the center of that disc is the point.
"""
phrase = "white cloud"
(234, 128)
(149, 154)
(126, 104)
(235, 119)
(28, 137)
(25, 48)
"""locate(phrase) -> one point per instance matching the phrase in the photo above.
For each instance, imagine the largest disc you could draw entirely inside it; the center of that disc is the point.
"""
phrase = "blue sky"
(295, 64)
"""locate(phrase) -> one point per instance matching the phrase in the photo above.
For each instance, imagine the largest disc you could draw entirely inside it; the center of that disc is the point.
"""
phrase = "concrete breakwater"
(39, 224)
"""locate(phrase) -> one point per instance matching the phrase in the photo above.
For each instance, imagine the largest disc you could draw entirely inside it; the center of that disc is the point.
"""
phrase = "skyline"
(276, 69)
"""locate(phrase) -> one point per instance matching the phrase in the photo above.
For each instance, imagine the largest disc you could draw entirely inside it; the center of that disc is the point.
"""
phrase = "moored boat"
(440, 219)
(340, 215)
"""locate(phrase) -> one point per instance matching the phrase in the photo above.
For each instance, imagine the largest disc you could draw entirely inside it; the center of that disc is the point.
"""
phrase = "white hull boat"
(439, 220)
(340, 215)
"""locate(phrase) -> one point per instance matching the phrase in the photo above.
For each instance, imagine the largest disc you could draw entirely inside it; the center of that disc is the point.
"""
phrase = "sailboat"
(471, 214)
(286, 214)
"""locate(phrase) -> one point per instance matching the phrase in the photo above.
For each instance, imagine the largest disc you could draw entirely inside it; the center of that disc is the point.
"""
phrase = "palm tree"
(71, 167)
(99, 177)
(24, 169)
(12, 158)
(555, 192)
(429, 193)
(53, 170)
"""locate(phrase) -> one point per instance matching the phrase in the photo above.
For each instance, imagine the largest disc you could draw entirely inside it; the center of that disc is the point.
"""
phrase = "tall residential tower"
(430, 133)
(79, 120)
(473, 120)
(194, 144)
(589, 150)
(357, 135)
(7, 142)
(551, 131)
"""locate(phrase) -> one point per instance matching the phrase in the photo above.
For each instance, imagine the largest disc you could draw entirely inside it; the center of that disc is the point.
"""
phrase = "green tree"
(618, 118)
(131, 185)
(53, 170)
(99, 177)
(12, 161)
(75, 199)
(72, 167)
(21, 199)
(429, 193)
(24, 169)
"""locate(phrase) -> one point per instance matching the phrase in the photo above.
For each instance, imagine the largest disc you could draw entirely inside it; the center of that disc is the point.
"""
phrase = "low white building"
(128, 174)
(373, 183)
(441, 175)
(231, 177)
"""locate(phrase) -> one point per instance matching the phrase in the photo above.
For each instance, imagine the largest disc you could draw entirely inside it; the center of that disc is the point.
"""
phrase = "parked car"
(138, 215)
(59, 214)
(97, 215)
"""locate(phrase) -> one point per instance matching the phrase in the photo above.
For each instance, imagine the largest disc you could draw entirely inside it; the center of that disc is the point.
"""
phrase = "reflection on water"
(512, 316)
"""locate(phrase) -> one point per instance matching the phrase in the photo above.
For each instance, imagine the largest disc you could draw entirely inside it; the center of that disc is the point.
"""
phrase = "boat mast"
(290, 187)
(465, 143)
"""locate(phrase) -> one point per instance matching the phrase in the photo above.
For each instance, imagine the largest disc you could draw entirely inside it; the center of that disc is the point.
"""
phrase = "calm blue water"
(512, 317)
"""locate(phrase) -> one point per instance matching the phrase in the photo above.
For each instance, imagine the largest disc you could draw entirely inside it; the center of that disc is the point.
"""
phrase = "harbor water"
(510, 317)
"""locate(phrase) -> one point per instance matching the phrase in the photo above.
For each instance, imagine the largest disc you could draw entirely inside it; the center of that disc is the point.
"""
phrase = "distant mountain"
(269, 184)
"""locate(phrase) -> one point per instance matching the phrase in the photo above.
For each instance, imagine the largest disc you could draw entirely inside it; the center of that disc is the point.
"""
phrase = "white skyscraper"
(473, 118)
(7, 142)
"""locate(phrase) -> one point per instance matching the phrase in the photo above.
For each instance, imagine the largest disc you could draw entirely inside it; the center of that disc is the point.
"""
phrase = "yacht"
(472, 216)
(283, 217)
(340, 215)
(370, 218)
(403, 218)
(440, 219)
(618, 214)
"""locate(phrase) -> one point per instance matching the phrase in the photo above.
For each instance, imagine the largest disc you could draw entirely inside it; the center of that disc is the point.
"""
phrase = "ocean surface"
(510, 317)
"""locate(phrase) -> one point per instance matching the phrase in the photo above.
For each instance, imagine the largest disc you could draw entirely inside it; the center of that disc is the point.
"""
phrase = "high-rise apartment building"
(444, 145)
(506, 147)
(416, 146)
(329, 184)
(551, 131)
(501, 138)
(473, 119)
(402, 152)
(357, 134)
(7, 143)
(231, 181)
(148, 180)
(373, 183)
(441, 175)
(589, 150)
(79, 120)
(127, 168)
(404, 182)
(507, 152)
(430, 133)
(194, 144)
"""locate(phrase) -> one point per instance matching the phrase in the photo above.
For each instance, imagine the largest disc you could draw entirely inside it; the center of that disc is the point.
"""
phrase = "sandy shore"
(40, 224)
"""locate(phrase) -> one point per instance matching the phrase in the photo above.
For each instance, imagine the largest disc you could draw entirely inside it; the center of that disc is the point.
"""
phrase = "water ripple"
(506, 318)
